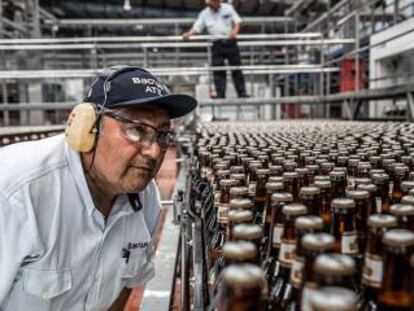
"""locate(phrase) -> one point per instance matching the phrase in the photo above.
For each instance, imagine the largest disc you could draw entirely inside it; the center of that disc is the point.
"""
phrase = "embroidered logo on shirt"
(126, 251)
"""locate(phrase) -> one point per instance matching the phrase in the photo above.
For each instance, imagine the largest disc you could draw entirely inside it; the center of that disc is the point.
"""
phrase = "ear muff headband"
(82, 127)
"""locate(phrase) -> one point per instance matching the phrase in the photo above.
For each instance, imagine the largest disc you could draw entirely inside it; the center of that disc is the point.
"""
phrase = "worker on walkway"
(221, 19)
(79, 212)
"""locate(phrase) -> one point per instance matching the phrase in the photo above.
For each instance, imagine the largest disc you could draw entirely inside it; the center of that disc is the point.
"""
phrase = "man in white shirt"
(221, 19)
(79, 214)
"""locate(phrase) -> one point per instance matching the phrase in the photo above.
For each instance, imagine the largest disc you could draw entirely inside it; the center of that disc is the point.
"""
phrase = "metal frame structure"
(284, 75)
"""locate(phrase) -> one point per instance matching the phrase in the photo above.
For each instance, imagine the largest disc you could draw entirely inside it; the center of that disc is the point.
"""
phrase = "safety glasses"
(139, 132)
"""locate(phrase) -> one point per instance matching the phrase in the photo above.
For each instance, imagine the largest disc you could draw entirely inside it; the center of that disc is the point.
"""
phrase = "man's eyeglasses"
(142, 133)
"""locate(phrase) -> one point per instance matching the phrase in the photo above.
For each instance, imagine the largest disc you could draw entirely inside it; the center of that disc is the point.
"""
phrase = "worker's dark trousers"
(227, 49)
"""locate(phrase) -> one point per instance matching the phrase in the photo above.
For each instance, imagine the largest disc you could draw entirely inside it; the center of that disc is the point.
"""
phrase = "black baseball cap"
(129, 87)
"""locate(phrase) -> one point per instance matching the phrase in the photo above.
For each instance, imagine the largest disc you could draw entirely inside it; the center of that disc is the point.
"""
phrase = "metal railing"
(11, 135)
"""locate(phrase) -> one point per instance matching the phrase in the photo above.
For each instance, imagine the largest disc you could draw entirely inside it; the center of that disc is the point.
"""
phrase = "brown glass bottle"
(404, 214)
(276, 170)
(373, 270)
(311, 198)
(237, 169)
(234, 252)
(223, 205)
(400, 174)
(313, 171)
(303, 176)
(335, 270)
(376, 162)
(363, 209)
(281, 288)
(326, 198)
(334, 298)
(303, 225)
(260, 194)
(252, 179)
(343, 226)
(328, 270)
(408, 199)
(313, 244)
(395, 293)
(291, 185)
(242, 288)
(248, 232)
(382, 181)
(238, 216)
(326, 168)
(406, 186)
(239, 252)
(239, 179)
(339, 184)
(271, 188)
(239, 192)
(289, 166)
(222, 174)
(362, 181)
(352, 170)
(372, 189)
(271, 265)
(363, 169)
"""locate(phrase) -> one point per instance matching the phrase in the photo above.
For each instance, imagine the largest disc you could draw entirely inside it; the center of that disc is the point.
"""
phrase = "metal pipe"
(78, 46)
(88, 73)
(386, 92)
(158, 38)
(159, 21)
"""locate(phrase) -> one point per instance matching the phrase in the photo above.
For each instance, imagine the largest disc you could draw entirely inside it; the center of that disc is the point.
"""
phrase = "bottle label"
(222, 213)
(252, 189)
(308, 291)
(296, 273)
(206, 172)
(217, 196)
(287, 252)
(373, 270)
(378, 204)
(349, 243)
(277, 235)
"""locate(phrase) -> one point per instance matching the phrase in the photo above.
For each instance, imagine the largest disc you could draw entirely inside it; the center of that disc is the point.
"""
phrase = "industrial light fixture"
(127, 5)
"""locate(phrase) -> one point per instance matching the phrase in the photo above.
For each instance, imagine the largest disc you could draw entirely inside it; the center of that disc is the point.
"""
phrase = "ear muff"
(81, 127)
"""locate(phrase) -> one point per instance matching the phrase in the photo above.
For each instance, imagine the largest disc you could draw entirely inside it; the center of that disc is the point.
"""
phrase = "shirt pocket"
(46, 284)
(139, 268)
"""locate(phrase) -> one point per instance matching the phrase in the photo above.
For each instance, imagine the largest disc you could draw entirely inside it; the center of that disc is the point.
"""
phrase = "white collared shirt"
(56, 251)
(218, 22)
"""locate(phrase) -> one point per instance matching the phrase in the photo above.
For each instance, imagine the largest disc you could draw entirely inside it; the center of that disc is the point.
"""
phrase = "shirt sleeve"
(19, 242)
(200, 23)
(236, 17)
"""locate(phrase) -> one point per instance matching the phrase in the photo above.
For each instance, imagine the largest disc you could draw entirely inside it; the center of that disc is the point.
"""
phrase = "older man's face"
(128, 167)
(214, 4)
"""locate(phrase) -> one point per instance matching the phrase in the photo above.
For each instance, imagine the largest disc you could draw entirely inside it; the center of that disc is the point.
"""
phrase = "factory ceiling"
(155, 8)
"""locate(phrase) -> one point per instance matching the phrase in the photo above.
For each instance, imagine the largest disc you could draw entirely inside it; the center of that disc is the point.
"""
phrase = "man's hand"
(234, 34)
(235, 31)
(186, 35)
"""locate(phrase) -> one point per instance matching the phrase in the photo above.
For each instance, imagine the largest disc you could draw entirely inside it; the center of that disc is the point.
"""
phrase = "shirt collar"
(75, 165)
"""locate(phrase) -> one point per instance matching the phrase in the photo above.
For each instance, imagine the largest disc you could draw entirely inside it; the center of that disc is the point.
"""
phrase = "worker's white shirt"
(217, 23)
(56, 252)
